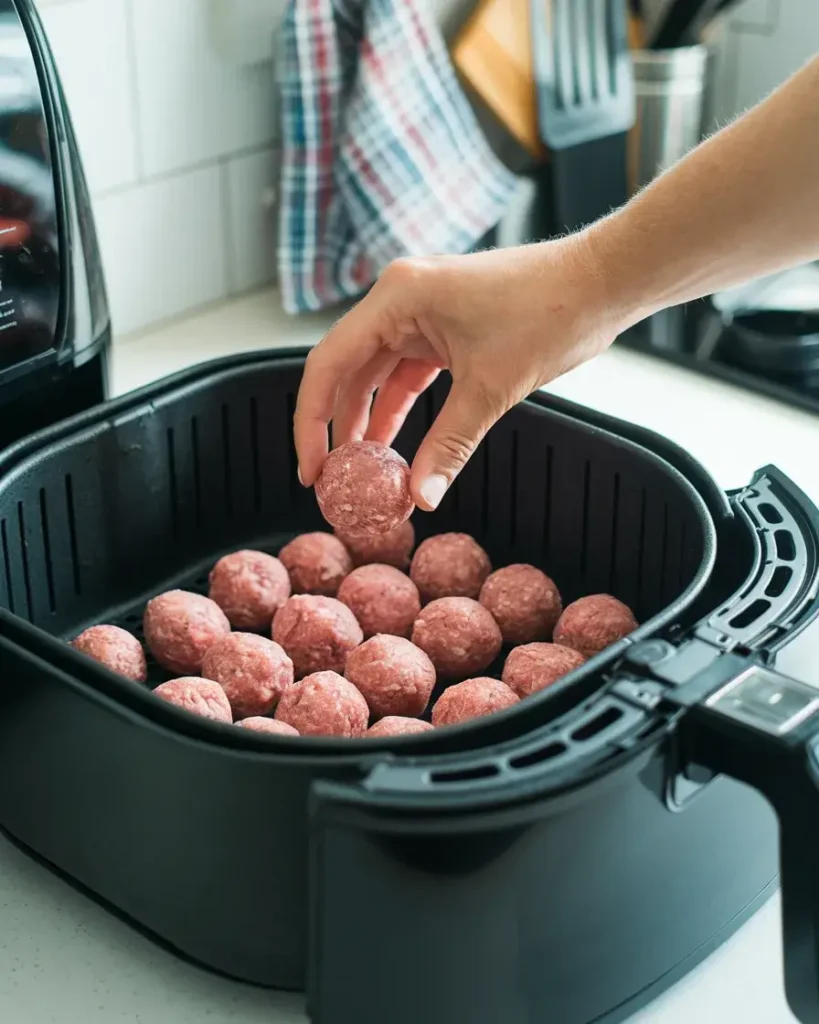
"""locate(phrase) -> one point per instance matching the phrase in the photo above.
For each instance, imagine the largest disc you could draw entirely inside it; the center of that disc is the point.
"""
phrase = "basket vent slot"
(750, 614)
(598, 724)
(641, 548)
(6, 565)
(615, 522)
(770, 513)
(478, 771)
(172, 484)
(547, 510)
(513, 491)
(72, 533)
(226, 456)
(584, 536)
(21, 522)
(547, 753)
(785, 546)
(254, 455)
(779, 580)
(49, 566)
(197, 472)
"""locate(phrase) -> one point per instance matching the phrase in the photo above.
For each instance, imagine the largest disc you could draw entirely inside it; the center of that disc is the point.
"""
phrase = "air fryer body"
(54, 323)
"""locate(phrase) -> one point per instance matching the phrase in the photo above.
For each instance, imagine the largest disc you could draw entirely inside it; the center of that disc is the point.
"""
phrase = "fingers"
(352, 408)
(467, 414)
(396, 397)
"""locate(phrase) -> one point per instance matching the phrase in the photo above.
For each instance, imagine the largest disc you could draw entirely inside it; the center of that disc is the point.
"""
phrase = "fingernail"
(298, 473)
(433, 489)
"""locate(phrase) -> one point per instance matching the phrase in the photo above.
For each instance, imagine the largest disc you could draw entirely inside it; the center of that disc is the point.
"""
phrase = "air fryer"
(54, 324)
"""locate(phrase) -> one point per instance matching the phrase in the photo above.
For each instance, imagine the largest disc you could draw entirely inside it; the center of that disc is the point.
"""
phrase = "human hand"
(503, 322)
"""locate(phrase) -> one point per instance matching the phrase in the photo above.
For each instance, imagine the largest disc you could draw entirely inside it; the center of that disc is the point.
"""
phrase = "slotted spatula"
(583, 72)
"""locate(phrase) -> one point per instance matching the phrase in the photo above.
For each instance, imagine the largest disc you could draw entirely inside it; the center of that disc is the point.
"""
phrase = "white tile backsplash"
(250, 193)
(163, 247)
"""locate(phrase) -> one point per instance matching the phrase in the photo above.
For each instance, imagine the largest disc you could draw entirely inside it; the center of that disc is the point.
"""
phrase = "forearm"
(745, 203)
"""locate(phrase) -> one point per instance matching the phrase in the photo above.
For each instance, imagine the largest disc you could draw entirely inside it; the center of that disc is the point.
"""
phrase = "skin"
(745, 203)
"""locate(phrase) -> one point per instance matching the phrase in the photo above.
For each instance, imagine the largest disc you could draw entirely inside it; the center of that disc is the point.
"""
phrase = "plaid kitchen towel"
(382, 156)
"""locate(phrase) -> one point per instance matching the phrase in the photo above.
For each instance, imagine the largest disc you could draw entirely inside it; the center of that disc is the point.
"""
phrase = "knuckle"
(456, 447)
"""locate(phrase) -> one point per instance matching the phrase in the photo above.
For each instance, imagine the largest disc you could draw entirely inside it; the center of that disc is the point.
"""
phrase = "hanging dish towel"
(382, 156)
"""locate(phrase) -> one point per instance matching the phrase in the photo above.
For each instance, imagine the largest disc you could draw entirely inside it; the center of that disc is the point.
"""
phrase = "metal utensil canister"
(669, 86)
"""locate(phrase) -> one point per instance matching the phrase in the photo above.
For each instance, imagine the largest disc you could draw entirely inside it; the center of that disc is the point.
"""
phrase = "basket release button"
(766, 699)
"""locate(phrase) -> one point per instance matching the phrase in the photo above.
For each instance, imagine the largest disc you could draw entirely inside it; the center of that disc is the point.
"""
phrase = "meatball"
(251, 670)
(472, 698)
(317, 563)
(199, 696)
(249, 587)
(533, 667)
(324, 704)
(317, 633)
(459, 635)
(394, 676)
(180, 627)
(591, 624)
(393, 548)
(268, 725)
(382, 598)
(395, 725)
(524, 602)
(364, 487)
(449, 565)
(115, 648)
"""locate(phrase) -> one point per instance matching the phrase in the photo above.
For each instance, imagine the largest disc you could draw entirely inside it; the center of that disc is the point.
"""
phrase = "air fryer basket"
(218, 841)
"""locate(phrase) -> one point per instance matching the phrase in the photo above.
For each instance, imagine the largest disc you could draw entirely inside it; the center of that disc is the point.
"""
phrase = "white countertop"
(65, 960)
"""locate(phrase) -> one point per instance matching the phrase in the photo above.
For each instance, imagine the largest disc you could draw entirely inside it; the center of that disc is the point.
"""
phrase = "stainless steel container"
(669, 88)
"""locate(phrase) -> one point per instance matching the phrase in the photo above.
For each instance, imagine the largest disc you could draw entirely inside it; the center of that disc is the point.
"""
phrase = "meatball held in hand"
(591, 624)
(394, 676)
(324, 704)
(249, 587)
(533, 667)
(524, 602)
(115, 648)
(449, 565)
(472, 698)
(459, 636)
(382, 598)
(364, 487)
(201, 697)
(317, 563)
(393, 548)
(317, 633)
(180, 627)
(251, 670)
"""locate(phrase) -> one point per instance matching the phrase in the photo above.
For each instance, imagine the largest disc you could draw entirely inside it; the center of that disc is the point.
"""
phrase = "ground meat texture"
(393, 548)
(523, 601)
(395, 725)
(472, 698)
(449, 565)
(317, 563)
(324, 704)
(364, 487)
(459, 636)
(382, 598)
(249, 587)
(269, 725)
(180, 627)
(591, 624)
(201, 697)
(317, 633)
(394, 676)
(115, 648)
(251, 670)
(533, 667)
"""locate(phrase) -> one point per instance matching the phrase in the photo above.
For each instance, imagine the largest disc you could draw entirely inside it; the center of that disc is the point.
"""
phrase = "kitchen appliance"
(485, 872)
(54, 323)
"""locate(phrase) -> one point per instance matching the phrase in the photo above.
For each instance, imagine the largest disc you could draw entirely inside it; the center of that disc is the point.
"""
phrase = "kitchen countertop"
(65, 960)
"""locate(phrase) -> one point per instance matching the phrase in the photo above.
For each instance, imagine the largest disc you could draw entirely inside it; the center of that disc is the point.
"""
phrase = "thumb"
(452, 439)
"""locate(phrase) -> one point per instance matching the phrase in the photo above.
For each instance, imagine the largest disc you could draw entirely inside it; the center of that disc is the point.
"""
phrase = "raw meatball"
(472, 698)
(324, 704)
(365, 487)
(199, 696)
(524, 602)
(382, 598)
(317, 563)
(317, 633)
(394, 725)
(180, 628)
(591, 624)
(115, 648)
(268, 725)
(394, 676)
(251, 670)
(393, 548)
(249, 587)
(533, 667)
(459, 635)
(449, 565)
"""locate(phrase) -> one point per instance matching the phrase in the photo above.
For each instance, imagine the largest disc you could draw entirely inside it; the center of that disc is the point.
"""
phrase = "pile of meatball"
(350, 634)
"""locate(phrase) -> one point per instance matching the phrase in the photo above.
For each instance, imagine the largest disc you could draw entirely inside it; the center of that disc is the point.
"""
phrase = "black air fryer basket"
(564, 860)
